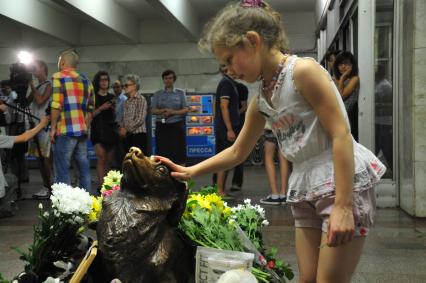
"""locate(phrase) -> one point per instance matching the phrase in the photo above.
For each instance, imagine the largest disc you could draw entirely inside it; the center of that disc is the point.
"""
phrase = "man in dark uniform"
(227, 120)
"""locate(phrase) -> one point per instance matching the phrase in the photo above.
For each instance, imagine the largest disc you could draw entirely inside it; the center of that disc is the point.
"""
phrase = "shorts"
(316, 214)
(269, 136)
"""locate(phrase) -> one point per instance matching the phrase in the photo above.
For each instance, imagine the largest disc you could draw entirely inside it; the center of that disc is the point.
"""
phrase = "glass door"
(383, 85)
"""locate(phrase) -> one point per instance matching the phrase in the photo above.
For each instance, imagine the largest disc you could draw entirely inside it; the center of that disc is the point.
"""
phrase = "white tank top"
(304, 142)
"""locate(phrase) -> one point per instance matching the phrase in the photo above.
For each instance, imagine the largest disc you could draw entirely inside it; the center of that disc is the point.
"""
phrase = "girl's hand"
(179, 172)
(44, 121)
(341, 226)
(347, 73)
(52, 135)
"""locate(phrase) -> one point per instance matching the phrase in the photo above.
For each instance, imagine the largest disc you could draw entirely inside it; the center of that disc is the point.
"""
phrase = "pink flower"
(116, 187)
(107, 193)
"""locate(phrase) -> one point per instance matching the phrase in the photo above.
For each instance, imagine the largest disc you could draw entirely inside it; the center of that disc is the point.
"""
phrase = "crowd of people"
(80, 109)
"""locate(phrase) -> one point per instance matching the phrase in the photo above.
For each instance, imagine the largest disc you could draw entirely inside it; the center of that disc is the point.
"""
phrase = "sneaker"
(235, 188)
(283, 200)
(42, 194)
(270, 200)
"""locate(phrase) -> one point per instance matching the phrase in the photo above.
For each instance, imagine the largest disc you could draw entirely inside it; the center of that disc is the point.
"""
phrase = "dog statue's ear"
(178, 207)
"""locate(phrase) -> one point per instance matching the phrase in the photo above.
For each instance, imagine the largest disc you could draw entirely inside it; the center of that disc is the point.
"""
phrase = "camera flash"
(25, 57)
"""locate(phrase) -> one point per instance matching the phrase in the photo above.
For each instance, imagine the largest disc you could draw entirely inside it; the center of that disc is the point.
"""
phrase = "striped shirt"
(73, 95)
(134, 114)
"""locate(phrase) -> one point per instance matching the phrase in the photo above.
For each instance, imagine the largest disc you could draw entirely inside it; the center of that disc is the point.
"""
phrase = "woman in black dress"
(104, 134)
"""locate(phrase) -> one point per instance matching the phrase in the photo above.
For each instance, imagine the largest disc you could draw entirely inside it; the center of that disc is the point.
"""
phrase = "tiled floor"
(395, 250)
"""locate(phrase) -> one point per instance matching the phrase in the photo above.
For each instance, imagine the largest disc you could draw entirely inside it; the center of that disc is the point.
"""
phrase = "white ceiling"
(46, 23)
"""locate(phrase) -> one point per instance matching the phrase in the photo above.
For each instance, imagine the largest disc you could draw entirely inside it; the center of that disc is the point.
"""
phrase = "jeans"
(63, 150)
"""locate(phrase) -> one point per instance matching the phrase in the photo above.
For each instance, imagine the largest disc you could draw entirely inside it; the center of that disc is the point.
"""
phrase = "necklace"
(268, 87)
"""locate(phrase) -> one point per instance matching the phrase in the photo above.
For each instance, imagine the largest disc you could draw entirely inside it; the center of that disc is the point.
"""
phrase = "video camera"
(20, 77)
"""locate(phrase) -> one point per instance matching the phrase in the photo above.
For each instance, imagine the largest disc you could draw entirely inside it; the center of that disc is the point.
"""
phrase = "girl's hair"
(97, 79)
(229, 27)
(42, 64)
(345, 56)
(134, 79)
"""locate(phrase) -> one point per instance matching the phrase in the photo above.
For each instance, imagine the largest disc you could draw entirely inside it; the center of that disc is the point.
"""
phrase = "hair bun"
(251, 3)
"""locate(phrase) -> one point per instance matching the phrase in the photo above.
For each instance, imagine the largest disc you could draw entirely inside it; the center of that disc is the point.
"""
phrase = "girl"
(330, 187)
(40, 97)
(347, 80)
(103, 129)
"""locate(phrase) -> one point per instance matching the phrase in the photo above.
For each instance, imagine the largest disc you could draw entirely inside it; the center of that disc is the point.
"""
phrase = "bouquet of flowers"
(210, 222)
(56, 234)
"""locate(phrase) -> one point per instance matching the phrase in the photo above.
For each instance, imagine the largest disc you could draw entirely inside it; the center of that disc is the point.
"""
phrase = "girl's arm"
(31, 133)
(347, 90)
(230, 157)
(314, 85)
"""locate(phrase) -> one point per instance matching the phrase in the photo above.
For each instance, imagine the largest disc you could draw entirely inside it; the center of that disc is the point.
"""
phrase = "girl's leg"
(337, 264)
(284, 171)
(270, 149)
(308, 241)
(101, 156)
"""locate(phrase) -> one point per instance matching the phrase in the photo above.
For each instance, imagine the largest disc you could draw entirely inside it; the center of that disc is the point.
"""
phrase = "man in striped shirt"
(71, 113)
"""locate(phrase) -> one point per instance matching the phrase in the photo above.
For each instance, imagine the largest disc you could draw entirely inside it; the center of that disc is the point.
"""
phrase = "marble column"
(412, 130)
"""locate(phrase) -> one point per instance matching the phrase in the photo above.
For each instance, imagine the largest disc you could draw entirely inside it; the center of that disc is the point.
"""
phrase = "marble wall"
(420, 107)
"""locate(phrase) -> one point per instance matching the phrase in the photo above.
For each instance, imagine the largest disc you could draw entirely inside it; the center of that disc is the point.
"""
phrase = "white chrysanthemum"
(265, 222)
(68, 200)
(247, 201)
(40, 206)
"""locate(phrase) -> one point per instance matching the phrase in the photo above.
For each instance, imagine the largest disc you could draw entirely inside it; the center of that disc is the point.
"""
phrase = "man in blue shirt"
(169, 106)
(120, 99)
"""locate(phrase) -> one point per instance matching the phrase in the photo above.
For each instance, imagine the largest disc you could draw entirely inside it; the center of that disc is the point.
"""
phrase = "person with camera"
(73, 101)
(41, 145)
(9, 142)
(103, 132)
(15, 125)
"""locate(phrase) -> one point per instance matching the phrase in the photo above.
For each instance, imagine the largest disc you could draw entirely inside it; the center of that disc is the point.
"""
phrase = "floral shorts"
(315, 214)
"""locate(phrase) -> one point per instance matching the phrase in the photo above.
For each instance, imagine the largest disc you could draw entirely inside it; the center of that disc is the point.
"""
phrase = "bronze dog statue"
(137, 234)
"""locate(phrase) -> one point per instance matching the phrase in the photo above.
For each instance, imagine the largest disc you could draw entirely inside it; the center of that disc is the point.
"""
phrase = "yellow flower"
(216, 200)
(205, 204)
(95, 211)
(227, 211)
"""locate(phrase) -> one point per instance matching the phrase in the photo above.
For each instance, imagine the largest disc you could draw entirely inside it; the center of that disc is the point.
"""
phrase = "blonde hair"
(70, 57)
(229, 27)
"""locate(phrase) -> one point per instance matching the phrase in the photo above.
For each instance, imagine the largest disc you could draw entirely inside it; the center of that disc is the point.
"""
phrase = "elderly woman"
(132, 125)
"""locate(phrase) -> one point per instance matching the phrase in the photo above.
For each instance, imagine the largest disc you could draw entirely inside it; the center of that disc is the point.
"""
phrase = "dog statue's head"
(143, 176)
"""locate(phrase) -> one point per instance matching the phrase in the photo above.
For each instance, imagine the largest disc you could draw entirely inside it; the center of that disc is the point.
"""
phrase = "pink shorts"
(315, 214)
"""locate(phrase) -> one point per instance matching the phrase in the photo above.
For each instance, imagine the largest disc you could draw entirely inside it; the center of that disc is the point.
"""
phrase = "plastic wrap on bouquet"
(138, 241)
